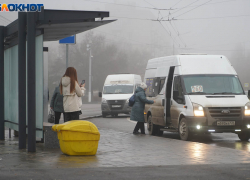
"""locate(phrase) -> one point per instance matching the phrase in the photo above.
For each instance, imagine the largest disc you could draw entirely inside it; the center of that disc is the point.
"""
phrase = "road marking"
(131, 121)
(145, 124)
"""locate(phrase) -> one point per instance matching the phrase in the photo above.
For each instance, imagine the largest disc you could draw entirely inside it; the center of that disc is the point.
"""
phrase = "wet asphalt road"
(227, 140)
(122, 155)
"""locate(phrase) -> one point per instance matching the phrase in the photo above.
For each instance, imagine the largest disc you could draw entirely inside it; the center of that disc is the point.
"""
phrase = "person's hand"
(83, 85)
(51, 107)
(154, 101)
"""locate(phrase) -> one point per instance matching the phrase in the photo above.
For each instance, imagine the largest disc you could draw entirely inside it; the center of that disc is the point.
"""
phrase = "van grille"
(224, 112)
(113, 102)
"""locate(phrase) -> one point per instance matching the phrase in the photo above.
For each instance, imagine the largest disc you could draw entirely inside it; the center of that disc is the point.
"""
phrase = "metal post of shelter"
(31, 60)
(2, 83)
(21, 78)
(67, 56)
(90, 75)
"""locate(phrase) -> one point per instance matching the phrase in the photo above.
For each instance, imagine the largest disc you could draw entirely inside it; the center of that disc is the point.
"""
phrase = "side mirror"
(100, 94)
(248, 94)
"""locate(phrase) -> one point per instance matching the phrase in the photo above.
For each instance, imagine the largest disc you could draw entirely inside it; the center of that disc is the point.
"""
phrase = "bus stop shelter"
(23, 88)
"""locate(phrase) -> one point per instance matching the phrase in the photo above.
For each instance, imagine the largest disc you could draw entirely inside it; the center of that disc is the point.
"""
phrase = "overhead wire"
(193, 8)
(174, 25)
(166, 29)
(132, 18)
(220, 17)
(126, 5)
(207, 4)
(176, 3)
(184, 7)
(5, 20)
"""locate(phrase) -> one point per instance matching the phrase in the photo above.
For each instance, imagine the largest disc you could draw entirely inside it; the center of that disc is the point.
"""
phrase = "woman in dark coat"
(56, 104)
(137, 113)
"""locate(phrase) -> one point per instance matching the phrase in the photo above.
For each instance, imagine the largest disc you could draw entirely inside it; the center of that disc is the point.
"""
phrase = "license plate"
(116, 106)
(225, 123)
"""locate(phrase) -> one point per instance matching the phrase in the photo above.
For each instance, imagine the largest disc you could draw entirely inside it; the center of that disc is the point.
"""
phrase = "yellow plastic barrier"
(77, 137)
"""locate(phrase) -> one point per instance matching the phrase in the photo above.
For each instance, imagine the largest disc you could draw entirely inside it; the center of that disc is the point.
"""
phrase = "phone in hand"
(83, 82)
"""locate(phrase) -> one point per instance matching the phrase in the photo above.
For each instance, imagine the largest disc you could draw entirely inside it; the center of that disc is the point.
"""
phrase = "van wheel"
(184, 132)
(152, 128)
(104, 115)
(244, 136)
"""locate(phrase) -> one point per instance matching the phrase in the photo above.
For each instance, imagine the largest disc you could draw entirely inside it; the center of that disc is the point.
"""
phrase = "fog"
(146, 29)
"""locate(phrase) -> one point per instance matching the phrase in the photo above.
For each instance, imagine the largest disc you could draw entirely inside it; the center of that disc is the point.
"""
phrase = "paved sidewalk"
(119, 149)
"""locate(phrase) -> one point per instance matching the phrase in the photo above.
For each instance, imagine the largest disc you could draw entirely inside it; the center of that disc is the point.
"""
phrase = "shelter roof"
(58, 24)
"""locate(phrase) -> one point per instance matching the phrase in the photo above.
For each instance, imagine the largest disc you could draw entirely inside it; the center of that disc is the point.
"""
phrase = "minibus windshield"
(118, 89)
(212, 84)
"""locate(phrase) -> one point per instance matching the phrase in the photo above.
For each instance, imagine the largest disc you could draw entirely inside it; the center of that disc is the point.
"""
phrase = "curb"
(91, 117)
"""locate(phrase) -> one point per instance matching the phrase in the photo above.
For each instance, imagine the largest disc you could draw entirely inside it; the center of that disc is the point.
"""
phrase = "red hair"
(72, 74)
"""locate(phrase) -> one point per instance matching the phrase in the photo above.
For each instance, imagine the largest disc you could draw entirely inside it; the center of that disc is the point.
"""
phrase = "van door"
(168, 95)
(177, 102)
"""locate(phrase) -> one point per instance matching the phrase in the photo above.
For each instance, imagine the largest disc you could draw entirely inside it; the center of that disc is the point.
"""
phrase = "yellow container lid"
(77, 126)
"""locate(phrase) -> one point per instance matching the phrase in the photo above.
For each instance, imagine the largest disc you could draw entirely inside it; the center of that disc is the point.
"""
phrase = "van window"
(178, 88)
(149, 91)
(118, 89)
(155, 86)
(162, 81)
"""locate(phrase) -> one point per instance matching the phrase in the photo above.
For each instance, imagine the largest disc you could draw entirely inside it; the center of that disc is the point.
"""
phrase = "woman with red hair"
(71, 92)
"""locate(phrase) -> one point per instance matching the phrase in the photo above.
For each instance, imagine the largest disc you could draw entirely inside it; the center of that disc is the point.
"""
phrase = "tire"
(104, 115)
(184, 131)
(160, 133)
(152, 128)
(244, 136)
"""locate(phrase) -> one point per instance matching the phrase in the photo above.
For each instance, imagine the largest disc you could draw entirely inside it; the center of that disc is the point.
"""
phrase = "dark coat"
(57, 101)
(137, 113)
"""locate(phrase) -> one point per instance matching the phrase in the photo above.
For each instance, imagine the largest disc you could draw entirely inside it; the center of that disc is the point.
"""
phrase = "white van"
(117, 90)
(195, 94)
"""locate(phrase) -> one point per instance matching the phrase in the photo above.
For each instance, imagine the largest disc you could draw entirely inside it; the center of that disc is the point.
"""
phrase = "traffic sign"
(68, 40)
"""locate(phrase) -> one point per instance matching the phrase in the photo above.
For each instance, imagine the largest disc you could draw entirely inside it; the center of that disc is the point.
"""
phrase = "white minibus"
(195, 94)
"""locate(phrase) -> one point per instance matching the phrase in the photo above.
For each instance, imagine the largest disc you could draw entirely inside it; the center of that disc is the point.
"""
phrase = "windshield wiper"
(198, 93)
(225, 93)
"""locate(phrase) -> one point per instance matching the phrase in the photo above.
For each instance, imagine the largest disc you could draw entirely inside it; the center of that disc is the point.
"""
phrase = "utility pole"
(90, 63)
(173, 48)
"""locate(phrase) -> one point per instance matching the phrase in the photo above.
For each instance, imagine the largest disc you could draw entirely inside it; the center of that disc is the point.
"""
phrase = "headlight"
(198, 110)
(104, 100)
(247, 109)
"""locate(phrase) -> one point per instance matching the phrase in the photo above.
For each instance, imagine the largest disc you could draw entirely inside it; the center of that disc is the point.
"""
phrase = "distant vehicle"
(195, 94)
(117, 90)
